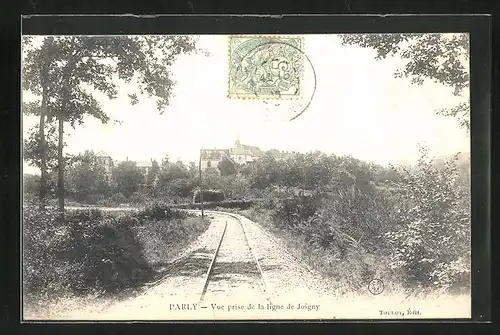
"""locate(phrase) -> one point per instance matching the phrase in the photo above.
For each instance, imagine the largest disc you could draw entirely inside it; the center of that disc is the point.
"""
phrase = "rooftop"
(102, 154)
(214, 154)
(246, 150)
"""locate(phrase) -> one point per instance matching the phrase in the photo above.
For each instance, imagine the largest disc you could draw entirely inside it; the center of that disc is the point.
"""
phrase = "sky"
(359, 108)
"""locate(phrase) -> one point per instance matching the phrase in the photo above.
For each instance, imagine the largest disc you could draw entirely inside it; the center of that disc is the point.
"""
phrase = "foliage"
(87, 178)
(417, 222)
(164, 236)
(159, 210)
(442, 58)
(239, 204)
(208, 195)
(90, 251)
(32, 151)
(66, 71)
(94, 61)
(175, 180)
(432, 239)
(153, 174)
(127, 178)
(31, 183)
(235, 187)
(264, 172)
(227, 167)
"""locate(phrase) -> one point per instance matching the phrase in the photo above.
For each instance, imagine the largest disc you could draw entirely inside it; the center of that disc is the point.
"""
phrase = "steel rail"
(210, 268)
(259, 268)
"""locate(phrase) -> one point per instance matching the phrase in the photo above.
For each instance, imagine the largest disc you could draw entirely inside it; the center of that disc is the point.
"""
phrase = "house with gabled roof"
(239, 154)
(210, 158)
(243, 154)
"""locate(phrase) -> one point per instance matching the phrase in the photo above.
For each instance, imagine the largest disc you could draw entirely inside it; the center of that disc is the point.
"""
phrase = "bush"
(159, 211)
(291, 212)
(335, 230)
(110, 255)
(94, 252)
(43, 239)
(209, 196)
(31, 184)
(87, 252)
(432, 240)
(241, 204)
(113, 201)
(118, 198)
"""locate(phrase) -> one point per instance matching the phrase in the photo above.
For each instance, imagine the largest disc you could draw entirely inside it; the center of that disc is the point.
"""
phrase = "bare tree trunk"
(60, 168)
(43, 151)
(44, 73)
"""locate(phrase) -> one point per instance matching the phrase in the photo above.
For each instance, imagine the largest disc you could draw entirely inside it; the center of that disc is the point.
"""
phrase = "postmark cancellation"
(265, 67)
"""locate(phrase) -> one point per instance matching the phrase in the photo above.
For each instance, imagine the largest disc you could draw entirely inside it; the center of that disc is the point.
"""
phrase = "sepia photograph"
(246, 177)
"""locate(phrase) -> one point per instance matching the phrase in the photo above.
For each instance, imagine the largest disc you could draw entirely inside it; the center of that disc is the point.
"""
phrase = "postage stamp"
(265, 67)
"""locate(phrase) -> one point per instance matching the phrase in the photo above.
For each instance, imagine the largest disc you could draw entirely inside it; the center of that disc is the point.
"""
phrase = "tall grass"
(414, 233)
(92, 252)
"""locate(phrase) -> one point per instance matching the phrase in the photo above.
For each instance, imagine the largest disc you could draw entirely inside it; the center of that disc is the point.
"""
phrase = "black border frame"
(479, 27)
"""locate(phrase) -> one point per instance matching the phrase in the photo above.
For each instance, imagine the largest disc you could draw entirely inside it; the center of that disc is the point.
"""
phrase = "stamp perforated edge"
(249, 96)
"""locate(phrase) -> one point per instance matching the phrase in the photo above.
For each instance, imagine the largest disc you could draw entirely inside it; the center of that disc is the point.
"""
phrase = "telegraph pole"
(201, 189)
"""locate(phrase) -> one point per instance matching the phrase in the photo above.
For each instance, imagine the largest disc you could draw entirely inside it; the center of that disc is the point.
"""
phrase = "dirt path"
(292, 291)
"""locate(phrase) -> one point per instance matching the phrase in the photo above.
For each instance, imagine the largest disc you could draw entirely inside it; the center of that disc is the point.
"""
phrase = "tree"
(432, 239)
(65, 70)
(175, 179)
(193, 170)
(441, 58)
(32, 148)
(267, 171)
(36, 70)
(362, 172)
(153, 173)
(127, 178)
(172, 171)
(87, 178)
(317, 171)
(32, 153)
(227, 167)
(30, 183)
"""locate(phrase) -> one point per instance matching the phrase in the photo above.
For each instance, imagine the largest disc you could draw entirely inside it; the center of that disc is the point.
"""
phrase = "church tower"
(237, 143)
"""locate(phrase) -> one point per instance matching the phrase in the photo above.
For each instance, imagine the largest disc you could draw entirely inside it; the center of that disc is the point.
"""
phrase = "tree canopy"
(442, 58)
(65, 72)
(74, 65)
(227, 167)
(87, 177)
(32, 151)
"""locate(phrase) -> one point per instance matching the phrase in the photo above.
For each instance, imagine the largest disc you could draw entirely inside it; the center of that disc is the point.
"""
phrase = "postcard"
(246, 177)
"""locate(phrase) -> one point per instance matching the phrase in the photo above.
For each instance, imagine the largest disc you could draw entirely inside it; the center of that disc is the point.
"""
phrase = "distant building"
(243, 154)
(145, 166)
(239, 154)
(210, 158)
(106, 161)
(109, 164)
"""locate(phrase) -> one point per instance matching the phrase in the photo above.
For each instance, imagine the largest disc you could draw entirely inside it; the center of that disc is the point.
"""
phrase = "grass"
(350, 276)
(95, 254)
(162, 239)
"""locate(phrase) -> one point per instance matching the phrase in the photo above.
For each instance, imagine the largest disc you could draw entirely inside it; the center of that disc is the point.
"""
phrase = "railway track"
(234, 270)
